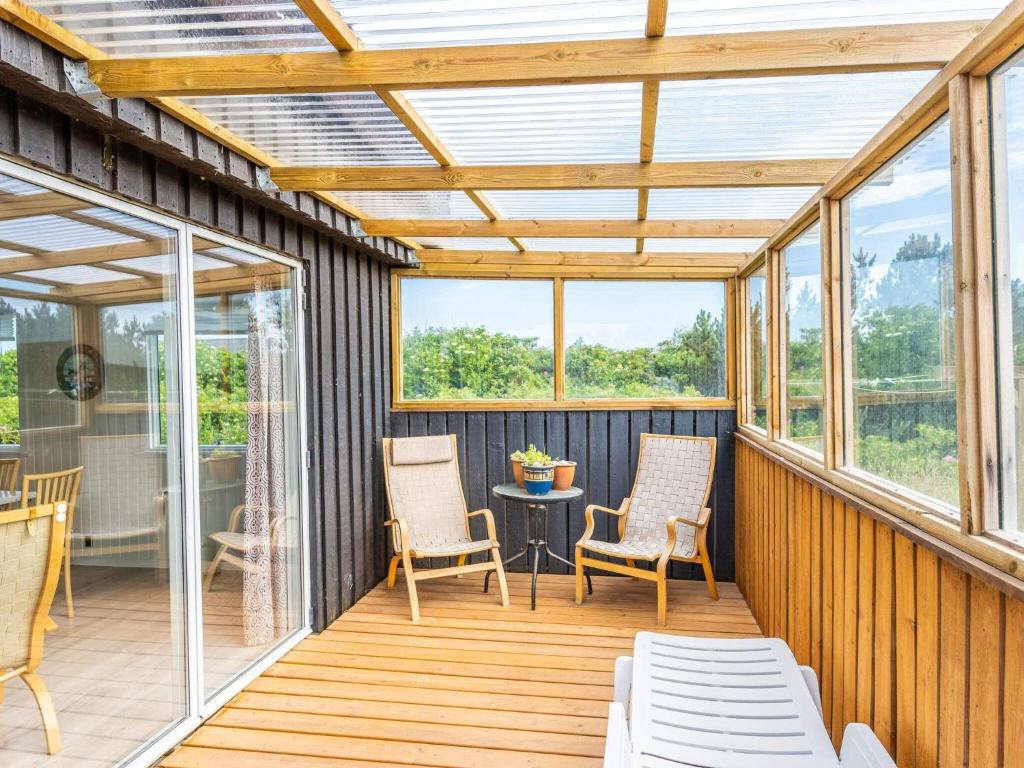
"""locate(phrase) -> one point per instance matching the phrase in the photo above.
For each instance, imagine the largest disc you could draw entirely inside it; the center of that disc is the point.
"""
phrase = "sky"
(620, 314)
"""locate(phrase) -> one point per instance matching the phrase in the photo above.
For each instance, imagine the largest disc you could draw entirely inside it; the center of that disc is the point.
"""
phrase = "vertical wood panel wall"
(931, 657)
(605, 445)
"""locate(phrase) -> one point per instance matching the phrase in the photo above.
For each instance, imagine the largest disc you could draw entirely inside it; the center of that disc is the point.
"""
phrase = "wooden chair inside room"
(9, 469)
(32, 541)
(665, 517)
(428, 514)
(52, 488)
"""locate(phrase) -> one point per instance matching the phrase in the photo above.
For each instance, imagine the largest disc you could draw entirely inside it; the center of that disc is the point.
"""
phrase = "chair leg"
(709, 576)
(632, 564)
(69, 604)
(46, 711)
(410, 583)
(662, 592)
(211, 571)
(461, 561)
(579, 575)
(500, 571)
(393, 571)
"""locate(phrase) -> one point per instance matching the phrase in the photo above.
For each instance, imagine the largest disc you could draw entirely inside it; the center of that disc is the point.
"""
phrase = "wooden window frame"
(745, 406)
(963, 90)
(559, 401)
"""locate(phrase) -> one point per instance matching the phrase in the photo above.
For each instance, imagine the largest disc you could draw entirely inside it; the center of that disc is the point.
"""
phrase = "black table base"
(537, 541)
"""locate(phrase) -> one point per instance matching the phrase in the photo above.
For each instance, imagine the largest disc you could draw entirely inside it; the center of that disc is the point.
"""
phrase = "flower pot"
(517, 473)
(538, 478)
(565, 471)
(224, 469)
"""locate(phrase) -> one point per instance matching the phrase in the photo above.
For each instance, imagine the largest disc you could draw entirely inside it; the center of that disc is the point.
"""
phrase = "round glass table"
(536, 529)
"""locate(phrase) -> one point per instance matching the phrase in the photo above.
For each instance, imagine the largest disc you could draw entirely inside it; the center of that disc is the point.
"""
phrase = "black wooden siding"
(605, 445)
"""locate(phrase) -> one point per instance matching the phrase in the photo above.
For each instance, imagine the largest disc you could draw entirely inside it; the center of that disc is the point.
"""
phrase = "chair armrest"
(403, 531)
(488, 517)
(623, 679)
(671, 525)
(811, 681)
(236, 515)
(589, 514)
(617, 746)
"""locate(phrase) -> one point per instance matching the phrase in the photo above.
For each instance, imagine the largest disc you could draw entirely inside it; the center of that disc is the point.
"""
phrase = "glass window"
(900, 278)
(757, 344)
(644, 339)
(249, 478)
(805, 400)
(1008, 200)
(477, 339)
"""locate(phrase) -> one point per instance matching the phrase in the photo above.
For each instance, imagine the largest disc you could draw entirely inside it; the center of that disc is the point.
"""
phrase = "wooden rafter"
(332, 26)
(715, 173)
(572, 228)
(745, 54)
(657, 19)
(437, 256)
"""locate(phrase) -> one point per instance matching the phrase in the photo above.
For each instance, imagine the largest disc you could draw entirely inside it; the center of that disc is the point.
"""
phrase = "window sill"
(994, 561)
(597, 404)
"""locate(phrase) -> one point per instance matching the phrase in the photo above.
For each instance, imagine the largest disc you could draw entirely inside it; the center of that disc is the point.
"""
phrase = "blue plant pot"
(538, 479)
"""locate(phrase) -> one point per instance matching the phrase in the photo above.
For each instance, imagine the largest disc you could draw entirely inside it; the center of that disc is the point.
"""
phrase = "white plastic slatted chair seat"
(723, 704)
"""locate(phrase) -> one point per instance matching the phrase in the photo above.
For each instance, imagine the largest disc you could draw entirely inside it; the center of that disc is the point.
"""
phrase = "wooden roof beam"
(657, 20)
(715, 173)
(437, 256)
(571, 228)
(689, 57)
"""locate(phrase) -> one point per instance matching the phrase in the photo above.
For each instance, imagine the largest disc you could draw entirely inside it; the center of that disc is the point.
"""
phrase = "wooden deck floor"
(471, 686)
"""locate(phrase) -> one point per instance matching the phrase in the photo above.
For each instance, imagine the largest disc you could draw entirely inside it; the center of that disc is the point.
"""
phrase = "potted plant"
(224, 465)
(565, 471)
(530, 456)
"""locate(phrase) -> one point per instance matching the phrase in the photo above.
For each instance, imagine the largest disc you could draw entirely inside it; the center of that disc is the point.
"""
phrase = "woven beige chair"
(429, 517)
(53, 488)
(31, 545)
(665, 518)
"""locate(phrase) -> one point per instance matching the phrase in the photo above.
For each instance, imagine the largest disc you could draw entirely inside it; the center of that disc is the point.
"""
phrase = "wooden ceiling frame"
(657, 20)
(332, 26)
(877, 48)
(601, 228)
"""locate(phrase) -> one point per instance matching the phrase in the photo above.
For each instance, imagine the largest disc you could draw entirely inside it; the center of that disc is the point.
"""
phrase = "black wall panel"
(605, 445)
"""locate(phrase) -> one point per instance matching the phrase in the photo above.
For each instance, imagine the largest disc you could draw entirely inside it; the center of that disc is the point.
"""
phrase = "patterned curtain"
(265, 582)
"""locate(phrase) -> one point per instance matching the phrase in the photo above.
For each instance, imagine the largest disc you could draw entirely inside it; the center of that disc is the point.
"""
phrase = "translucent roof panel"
(53, 233)
(536, 124)
(186, 27)
(318, 129)
(617, 244)
(565, 203)
(127, 221)
(79, 274)
(720, 203)
(415, 23)
(709, 16)
(12, 186)
(702, 244)
(234, 255)
(778, 117)
(167, 265)
(467, 243)
(415, 205)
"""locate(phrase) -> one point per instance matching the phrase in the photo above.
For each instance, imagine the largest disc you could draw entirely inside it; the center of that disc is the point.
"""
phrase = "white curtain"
(265, 577)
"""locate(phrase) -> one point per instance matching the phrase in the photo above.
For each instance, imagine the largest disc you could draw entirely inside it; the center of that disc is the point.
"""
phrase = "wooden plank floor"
(472, 685)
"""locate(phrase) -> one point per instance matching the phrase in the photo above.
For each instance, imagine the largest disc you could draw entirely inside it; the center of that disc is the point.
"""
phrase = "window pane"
(77, 359)
(804, 395)
(477, 339)
(1008, 178)
(901, 323)
(757, 325)
(249, 473)
(644, 339)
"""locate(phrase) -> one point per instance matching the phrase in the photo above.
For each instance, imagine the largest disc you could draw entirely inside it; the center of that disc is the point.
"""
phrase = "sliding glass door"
(158, 366)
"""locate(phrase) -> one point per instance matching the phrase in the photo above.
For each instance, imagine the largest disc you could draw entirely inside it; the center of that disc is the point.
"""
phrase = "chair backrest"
(673, 478)
(122, 484)
(424, 490)
(862, 749)
(52, 487)
(9, 474)
(31, 547)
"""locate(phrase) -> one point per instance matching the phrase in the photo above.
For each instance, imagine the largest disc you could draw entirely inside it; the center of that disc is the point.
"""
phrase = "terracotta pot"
(224, 469)
(565, 471)
(517, 473)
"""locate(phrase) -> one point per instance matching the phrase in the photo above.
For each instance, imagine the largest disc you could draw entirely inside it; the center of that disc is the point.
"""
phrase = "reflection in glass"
(1008, 202)
(477, 339)
(247, 389)
(899, 257)
(804, 378)
(88, 364)
(644, 339)
(757, 325)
